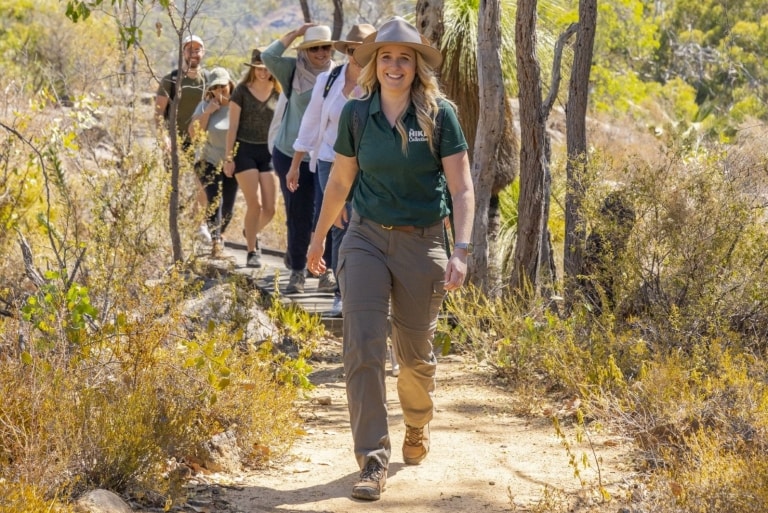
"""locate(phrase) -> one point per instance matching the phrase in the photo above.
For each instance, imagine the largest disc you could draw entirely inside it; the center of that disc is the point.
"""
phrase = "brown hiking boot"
(373, 481)
(416, 444)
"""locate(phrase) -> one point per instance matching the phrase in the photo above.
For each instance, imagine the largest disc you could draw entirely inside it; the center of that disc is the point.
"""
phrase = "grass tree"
(460, 76)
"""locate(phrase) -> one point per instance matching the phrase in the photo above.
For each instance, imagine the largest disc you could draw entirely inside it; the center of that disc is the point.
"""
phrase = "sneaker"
(416, 444)
(204, 235)
(253, 259)
(393, 362)
(327, 282)
(295, 283)
(336, 308)
(373, 481)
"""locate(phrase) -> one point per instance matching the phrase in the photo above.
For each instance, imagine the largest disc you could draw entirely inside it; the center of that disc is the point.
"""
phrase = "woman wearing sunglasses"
(317, 136)
(297, 76)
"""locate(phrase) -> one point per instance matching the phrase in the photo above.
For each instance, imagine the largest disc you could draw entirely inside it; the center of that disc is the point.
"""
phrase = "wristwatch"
(466, 246)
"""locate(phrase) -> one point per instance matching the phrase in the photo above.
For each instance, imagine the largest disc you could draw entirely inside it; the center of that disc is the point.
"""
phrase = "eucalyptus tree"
(576, 134)
(180, 15)
(534, 255)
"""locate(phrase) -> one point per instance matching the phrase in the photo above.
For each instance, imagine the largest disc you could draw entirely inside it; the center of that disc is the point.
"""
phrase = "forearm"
(298, 156)
(463, 215)
(334, 199)
(290, 37)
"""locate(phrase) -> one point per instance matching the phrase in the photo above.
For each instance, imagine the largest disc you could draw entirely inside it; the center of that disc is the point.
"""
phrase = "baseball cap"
(192, 39)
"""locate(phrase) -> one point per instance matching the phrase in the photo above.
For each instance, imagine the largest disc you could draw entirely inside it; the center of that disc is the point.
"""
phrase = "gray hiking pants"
(377, 265)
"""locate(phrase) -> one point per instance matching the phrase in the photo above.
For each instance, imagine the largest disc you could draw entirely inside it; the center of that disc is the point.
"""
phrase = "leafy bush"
(105, 378)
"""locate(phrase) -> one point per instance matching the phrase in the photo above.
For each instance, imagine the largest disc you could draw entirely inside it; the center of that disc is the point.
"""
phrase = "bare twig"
(546, 108)
(29, 263)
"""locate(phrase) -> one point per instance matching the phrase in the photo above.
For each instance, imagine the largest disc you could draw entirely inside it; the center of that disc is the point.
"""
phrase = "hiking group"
(373, 167)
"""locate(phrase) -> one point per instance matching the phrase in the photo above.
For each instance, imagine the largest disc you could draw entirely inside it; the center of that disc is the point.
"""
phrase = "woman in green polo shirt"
(401, 153)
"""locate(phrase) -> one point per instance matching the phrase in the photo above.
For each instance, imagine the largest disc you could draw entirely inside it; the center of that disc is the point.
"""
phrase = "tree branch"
(546, 108)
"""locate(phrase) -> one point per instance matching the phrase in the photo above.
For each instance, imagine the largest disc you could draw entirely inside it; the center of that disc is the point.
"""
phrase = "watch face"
(467, 246)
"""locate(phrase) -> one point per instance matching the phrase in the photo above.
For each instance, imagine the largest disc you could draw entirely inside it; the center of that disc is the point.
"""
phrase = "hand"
(229, 169)
(292, 179)
(315, 261)
(303, 29)
(456, 270)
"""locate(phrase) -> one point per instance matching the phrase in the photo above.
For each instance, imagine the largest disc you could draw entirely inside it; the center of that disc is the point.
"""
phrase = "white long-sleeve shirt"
(320, 122)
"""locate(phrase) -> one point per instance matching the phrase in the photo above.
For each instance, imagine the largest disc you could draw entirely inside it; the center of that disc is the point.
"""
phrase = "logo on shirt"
(416, 136)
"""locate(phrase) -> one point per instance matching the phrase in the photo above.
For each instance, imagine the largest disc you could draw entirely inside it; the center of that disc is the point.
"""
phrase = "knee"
(268, 211)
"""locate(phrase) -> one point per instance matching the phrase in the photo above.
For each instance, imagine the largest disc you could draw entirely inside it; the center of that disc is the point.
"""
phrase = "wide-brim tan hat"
(355, 36)
(397, 31)
(256, 61)
(319, 35)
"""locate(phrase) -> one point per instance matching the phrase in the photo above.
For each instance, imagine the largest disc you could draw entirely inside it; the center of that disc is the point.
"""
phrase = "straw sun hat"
(319, 35)
(397, 31)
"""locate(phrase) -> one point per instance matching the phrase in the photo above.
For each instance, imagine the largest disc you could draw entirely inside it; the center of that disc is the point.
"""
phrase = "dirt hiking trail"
(483, 457)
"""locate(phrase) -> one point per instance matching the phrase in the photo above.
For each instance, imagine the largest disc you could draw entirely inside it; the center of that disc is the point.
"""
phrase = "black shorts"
(253, 156)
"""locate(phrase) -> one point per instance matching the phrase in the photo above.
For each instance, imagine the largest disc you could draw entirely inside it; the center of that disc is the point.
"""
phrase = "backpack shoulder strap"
(332, 76)
(172, 90)
(360, 112)
(359, 120)
(437, 137)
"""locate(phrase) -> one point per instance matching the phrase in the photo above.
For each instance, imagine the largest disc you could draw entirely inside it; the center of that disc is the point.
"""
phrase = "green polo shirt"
(393, 188)
(191, 94)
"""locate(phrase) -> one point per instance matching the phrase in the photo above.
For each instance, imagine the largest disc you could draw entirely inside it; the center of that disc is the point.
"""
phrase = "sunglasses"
(315, 49)
(351, 50)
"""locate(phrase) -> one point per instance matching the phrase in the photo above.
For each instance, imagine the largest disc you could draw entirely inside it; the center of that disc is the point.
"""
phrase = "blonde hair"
(425, 93)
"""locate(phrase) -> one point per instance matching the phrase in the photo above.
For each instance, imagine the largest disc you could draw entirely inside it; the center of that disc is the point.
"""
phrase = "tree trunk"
(533, 160)
(576, 140)
(305, 11)
(460, 77)
(488, 140)
(429, 20)
(338, 20)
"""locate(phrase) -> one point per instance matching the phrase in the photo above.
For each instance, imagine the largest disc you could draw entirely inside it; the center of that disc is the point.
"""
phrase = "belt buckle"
(387, 227)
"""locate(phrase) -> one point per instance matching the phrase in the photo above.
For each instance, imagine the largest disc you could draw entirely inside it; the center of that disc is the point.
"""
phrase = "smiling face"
(319, 56)
(396, 67)
(260, 74)
(193, 54)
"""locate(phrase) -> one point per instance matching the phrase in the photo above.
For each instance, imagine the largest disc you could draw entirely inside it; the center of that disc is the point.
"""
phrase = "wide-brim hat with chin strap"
(256, 61)
(397, 31)
(355, 36)
(318, 35)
